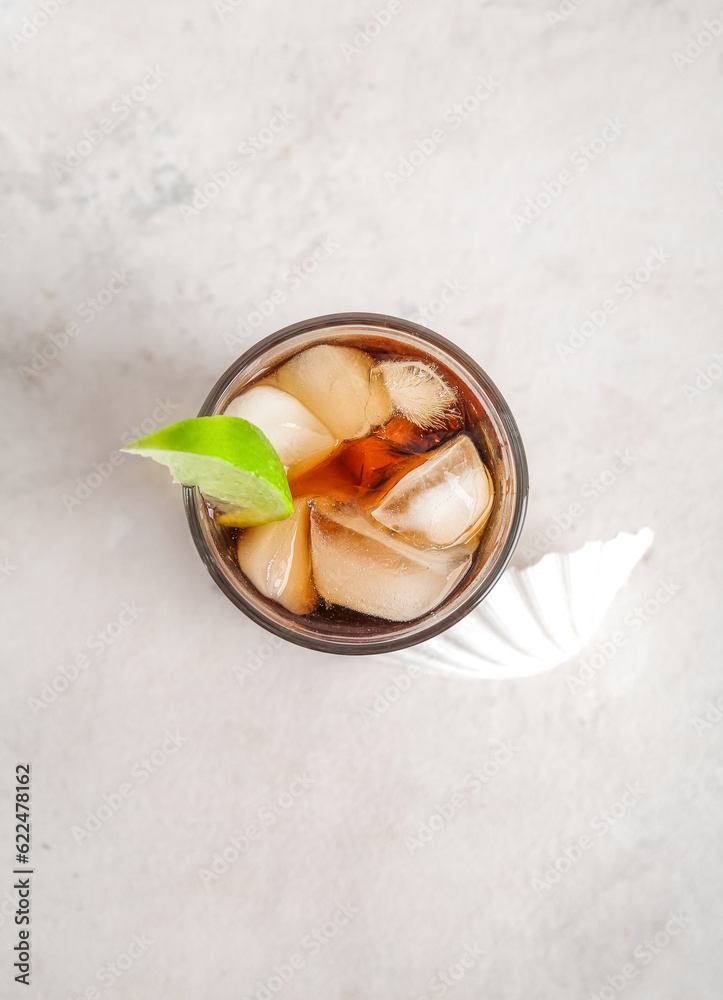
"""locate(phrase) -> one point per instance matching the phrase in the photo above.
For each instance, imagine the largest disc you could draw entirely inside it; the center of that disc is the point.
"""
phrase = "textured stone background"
(185, 662)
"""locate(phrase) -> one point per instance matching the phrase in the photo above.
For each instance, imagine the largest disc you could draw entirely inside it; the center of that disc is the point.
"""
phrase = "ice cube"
(443, 501)
(418, 392)
(338, 386)
(300, 439)
(275, 557)
(364, 568)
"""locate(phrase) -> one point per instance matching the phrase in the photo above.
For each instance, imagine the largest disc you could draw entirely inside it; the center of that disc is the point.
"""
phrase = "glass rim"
(390, 643)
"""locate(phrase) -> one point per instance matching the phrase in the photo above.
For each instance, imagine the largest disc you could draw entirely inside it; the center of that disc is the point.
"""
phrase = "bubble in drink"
(391, 495)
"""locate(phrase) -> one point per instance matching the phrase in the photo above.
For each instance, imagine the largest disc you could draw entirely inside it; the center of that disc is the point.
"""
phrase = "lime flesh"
(229, 459)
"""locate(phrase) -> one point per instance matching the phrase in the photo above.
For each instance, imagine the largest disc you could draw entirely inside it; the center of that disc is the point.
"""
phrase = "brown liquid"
(364, 469)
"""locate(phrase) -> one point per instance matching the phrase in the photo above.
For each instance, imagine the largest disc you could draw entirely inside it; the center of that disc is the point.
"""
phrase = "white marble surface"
(179, 665)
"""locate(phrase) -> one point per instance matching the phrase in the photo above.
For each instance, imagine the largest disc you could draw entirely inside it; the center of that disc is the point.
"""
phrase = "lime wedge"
(230, 460)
